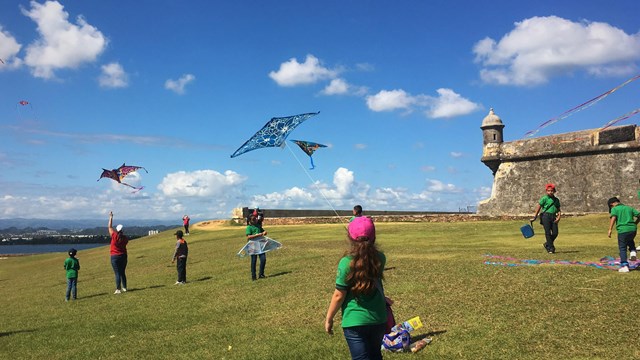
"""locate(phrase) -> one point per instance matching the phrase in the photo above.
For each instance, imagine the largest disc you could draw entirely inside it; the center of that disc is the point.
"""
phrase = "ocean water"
(44, 248)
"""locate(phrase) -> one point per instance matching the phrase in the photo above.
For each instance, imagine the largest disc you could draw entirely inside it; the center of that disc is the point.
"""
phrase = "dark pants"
(186, 228)
(263, 262)
(182, 269)
(626, 240)
(364, 341)
(119, 265)
(72, 287)
(550, 230)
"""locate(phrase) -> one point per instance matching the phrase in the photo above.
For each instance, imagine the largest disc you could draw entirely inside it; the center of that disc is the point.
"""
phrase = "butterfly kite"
(120, 173)
(273, 133)
(309, 148)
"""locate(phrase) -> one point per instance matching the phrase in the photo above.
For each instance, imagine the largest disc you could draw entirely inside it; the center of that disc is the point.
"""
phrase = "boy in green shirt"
(72, 266)
(549, 209)
(626, 220)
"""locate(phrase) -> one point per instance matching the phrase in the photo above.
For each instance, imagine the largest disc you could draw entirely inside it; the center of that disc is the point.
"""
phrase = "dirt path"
(210, 225)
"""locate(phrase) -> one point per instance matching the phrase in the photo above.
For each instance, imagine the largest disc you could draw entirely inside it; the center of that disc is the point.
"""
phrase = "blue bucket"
(527, 230)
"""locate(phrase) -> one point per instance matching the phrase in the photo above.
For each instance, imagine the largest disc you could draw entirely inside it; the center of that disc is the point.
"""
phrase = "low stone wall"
(391, 218)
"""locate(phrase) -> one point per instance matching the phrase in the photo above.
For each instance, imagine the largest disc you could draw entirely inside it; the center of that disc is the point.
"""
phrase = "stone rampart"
(587, 167)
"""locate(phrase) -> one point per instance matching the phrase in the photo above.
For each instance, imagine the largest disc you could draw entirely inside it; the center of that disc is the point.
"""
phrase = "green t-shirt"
(364, 310)
(549, 204)
(72, 265)
(624, 215)
(253, 230)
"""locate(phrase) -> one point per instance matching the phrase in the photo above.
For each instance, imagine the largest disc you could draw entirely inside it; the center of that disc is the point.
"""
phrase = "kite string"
(580, 107)
(313, 181)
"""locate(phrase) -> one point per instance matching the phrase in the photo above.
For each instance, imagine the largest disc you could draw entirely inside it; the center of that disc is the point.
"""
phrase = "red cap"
(549, 187)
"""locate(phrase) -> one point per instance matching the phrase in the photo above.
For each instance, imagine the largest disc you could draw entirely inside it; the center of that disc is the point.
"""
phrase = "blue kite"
(273, 133)
(309, 148)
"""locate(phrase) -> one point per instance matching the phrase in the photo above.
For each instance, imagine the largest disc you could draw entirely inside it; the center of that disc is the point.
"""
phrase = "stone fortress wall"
(587, 167)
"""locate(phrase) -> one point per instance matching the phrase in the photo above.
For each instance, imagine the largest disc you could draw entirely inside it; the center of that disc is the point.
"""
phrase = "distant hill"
(78, 224)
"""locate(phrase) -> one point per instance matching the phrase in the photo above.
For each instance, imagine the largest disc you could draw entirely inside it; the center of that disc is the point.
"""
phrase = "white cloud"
(360, 146)
(336, 87)
(439, 186)
(342, 87)
(388, 100)
(449, 104)
(191, 192)
(293, 73)
(539, 48)
(343, 179)
(346, 191)
(456, 154)
(61, 44)
(113, 76)
(428, 168)
(177, 86)
(9, 48)
(200, 183)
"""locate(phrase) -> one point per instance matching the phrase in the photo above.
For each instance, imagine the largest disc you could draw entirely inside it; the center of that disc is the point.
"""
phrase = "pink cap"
(362, 226)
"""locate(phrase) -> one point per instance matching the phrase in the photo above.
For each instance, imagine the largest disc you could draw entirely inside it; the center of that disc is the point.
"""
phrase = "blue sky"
(402, 88)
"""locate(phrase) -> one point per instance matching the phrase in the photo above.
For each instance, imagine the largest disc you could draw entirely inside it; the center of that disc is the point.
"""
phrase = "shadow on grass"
(145, 288)
(429, 334)
(279, 274)
(567, 252)
(390, 268)
(9, 333)
(204, 278)
(92, 295)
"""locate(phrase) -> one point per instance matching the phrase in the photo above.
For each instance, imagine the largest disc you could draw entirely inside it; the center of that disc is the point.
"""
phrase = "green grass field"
(434, 270)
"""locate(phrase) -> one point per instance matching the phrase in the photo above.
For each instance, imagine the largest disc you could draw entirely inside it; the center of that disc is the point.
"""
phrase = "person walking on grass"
(185, 222)
(359, 292)
(549, 217)
(180, 254)
(254, 232)
(72, 266)
(626, 219)
(118, 251)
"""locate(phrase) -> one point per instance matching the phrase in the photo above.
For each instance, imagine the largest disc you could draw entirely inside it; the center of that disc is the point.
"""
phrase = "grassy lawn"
(434, 270)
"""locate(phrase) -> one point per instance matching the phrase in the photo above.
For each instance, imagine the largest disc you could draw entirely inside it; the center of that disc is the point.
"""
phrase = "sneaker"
(261, 277)
(633, 256)
(624, 269)
(177, 283)
(124, 289)
(117, 292)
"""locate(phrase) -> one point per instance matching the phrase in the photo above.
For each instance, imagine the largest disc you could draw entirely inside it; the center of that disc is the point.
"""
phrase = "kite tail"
(312, 165)
(135, 189)
(580, 107)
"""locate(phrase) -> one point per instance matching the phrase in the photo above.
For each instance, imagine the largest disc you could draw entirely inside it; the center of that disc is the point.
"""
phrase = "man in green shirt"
(626, 220)
(549, 209)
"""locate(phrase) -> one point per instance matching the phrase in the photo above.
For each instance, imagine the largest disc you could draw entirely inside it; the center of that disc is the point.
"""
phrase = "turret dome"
(492, 120)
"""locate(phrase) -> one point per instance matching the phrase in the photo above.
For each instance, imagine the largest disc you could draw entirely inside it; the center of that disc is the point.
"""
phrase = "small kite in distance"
(273, 133)
(120, 173)
(309, 148)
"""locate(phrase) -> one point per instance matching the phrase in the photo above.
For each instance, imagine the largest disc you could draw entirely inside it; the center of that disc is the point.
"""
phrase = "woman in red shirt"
(118, 255)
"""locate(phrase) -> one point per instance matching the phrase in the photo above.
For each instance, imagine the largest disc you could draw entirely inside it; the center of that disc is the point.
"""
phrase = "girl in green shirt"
(359, 293)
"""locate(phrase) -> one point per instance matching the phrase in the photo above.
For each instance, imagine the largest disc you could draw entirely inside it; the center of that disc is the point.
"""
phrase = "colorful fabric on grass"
(607, 262)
